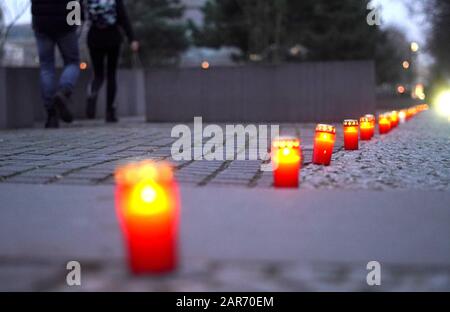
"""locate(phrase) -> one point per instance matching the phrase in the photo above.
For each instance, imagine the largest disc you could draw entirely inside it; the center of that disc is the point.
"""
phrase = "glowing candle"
(351, 135)
(410, 113)
(423, 107)
(394, 119)
(147, 205)
(324, 144)
(384, 124)
(402, 116)
(366, 129)
(373, 122)
(286, 161)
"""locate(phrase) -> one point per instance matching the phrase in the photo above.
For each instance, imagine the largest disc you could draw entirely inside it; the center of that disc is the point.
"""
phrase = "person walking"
(108, 18)
(49, 20)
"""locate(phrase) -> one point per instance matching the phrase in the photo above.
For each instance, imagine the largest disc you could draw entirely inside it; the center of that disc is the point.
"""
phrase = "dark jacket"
(50, 16)
(101, 36)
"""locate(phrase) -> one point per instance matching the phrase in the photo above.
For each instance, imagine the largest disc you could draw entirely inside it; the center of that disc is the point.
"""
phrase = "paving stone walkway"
(414, 156)
(88, 152)
(412, 159)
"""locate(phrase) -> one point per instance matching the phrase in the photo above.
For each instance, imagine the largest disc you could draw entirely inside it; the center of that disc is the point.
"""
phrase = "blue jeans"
(67, 44)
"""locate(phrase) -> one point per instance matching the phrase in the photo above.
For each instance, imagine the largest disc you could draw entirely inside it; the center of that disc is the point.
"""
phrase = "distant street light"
(205, 65)
(406, 65)
(419, 92)
(415, 47)
(255, 57)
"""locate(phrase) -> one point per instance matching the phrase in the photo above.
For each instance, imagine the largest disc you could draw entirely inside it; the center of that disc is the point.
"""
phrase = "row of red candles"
(287, 153)
(147, 197)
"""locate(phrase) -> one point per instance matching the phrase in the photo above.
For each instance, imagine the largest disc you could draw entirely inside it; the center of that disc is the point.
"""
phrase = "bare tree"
(10, 13)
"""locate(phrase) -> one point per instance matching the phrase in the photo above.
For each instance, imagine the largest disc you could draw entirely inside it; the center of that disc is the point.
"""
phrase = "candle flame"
(286, 151)
(148, 194)
(148, 199)
(146, 183)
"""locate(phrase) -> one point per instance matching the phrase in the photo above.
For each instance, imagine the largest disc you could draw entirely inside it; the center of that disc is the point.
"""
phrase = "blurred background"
(410, 46)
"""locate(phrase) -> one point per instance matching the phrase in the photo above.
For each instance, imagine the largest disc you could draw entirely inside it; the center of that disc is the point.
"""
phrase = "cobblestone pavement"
(414, 156)
(88, 152)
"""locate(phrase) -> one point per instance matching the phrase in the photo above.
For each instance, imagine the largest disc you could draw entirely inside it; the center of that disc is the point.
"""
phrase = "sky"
(393, 12)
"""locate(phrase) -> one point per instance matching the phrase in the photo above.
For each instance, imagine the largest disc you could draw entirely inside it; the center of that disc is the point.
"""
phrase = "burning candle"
(366, 129)
(324, 144)
(147, 205)
(286, 161)
(373, 121)
(394, 119)
(384, 124)
(410, 113)
(402, 116)
(351, 135)
(423, 107)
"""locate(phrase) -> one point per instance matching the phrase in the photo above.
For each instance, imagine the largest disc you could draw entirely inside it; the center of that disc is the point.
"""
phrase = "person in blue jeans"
(52, 30)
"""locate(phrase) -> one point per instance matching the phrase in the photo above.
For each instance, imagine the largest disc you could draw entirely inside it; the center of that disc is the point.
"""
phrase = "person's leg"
(98, 64)
(46, 51)
(113, 61)
(68, 46)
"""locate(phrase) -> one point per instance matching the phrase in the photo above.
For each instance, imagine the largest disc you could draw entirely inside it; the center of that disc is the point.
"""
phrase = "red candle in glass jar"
(373, 122)
(422, 108)
(384, 124)
(394, 119)
(324, 144)
(286, 161)
(351, 135)
(410, 113)
(366, 129)
(147, 205)
(402, 116)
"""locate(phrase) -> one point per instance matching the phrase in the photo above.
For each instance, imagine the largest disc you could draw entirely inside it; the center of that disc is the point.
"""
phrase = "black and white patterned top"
(102, 13)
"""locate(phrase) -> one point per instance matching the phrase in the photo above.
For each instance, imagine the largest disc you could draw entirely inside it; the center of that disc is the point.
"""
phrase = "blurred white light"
(402, 117)
(443, 104)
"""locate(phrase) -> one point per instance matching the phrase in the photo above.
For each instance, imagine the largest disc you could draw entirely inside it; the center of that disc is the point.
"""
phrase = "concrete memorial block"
(307, 92)
(130, 99)
(16, 104)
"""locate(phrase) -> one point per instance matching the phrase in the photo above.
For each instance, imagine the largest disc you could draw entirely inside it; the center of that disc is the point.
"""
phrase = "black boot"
(62, 101)
(91, 107)
(111, 115)
(52, 119)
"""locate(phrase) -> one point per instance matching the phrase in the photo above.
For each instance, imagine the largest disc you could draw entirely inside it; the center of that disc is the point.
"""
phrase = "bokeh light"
(415, 47)
(442, 104)
(401, 89)
(205, 65)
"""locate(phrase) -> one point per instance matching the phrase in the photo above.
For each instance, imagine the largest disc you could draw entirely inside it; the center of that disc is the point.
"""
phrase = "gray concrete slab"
(76, 222)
